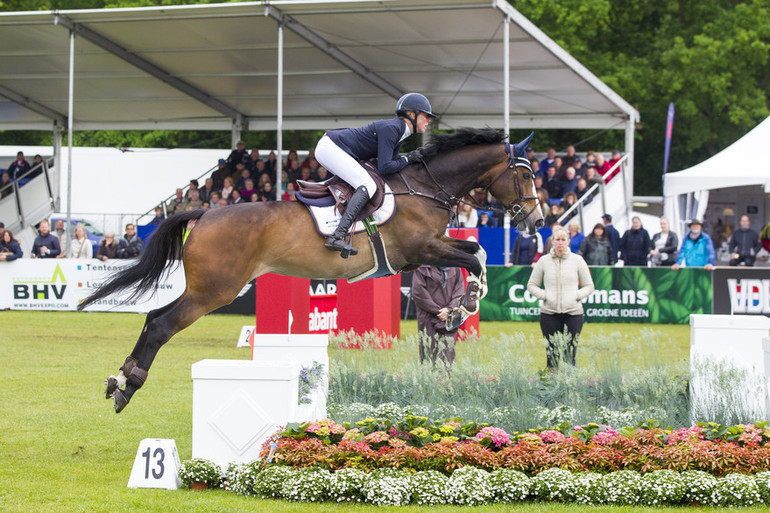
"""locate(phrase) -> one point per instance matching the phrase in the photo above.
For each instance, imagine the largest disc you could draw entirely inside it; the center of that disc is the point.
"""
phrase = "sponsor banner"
(742, 290)
(623, 294)
(323, 306)
(61, 284)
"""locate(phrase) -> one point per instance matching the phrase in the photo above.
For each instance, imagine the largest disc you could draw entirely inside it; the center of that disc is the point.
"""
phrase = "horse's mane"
(443, 143)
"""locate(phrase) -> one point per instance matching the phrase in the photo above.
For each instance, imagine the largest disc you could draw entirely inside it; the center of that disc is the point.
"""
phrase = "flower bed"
(450, 462)
(417, 444)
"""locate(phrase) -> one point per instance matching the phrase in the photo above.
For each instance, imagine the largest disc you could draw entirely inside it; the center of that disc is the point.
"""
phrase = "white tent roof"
(345, 61)
(741, 163)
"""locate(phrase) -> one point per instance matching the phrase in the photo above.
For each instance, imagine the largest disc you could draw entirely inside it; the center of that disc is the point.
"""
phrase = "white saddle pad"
(327, 218)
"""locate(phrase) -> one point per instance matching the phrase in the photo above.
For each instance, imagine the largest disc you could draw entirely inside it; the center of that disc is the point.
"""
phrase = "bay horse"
(230, 246)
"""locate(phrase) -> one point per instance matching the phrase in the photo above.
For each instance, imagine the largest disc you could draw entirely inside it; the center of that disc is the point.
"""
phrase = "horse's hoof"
(111, 385)
(120, 400)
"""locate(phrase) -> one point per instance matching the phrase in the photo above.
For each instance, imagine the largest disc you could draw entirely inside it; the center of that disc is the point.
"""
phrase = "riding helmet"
(415, 102)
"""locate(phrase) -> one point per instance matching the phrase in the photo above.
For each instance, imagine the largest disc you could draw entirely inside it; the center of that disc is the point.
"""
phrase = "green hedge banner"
(623, 294)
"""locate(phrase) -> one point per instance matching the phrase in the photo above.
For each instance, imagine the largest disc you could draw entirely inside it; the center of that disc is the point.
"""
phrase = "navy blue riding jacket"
(380, 140)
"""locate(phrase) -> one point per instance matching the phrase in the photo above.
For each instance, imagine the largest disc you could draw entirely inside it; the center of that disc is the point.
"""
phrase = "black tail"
(165, 245)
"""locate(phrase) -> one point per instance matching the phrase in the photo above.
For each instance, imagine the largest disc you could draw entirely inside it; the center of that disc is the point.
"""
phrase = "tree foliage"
(710, 57)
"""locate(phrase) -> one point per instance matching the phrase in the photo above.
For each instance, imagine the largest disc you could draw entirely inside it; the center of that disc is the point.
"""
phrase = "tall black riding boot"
(336, 241)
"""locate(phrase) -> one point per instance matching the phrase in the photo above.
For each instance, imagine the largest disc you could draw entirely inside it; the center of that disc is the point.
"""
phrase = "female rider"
(342, 151)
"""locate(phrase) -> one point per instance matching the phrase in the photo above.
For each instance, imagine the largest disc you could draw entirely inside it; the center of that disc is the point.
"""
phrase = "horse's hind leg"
(114, 383)
(157, 331)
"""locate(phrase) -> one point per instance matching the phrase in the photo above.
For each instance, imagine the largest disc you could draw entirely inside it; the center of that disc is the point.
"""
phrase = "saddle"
(336, 191)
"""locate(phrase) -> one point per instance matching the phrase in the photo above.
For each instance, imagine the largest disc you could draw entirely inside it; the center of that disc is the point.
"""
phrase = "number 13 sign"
(156, 465)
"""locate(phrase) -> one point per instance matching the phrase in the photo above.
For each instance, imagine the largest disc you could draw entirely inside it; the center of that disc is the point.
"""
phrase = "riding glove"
(413, 156)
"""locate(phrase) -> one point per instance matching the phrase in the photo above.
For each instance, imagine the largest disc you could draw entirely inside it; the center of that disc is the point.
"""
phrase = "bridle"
(516, 209)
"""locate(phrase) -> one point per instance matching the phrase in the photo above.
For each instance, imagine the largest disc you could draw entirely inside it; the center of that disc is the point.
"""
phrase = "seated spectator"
(214, 199)
(267, 193)
(575, 236)
(205, 191)
(239, 154)
(9, 247)
(254, 197)
(5, 185)
(580, 169)
(176, 203)
(554, 214)
(227, 189)
(248, 189)
(305, 174)
(569, 200)
(635, 244)
(222, 203)
(467, 216)
(548, 160)
(569, 182)
(235, 197)
(19, 166)
(591, 176)
(485, 221)
(663, 245)
(46, 244)
(254, 159)
(193, 187)
(538, 181)
(697, 249)
(531, 156)
(616, 155)
(219, 174)
(263, 179)
(291, 159)
(108, 247)
(558, 163)
(130, 245)
(527, 249)
(535, 165)
(261, 171)
(270, 164)
(295, 171)
(596, 248)
(64, 241)
(206, 205)
(744, 244)
(601, 166)
(582, 190)
(240, 176)
(590, 159)
(159, 217)
(552, 184)
(570, 158)
(288, 195)
(193, 200)
(80, 246)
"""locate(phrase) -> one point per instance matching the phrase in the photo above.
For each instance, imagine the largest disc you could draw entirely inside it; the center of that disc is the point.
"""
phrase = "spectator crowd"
(560, 181)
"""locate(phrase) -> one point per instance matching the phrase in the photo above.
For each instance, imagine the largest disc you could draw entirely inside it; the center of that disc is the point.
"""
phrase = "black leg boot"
(336, 241)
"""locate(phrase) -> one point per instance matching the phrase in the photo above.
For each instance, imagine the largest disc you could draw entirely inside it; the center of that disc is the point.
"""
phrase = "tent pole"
(279, 118)
(57, 164)
(507, 120)
(629, 171)
(70, 117)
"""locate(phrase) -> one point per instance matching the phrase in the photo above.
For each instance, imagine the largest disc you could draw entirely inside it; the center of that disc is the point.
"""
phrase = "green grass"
(62, 448)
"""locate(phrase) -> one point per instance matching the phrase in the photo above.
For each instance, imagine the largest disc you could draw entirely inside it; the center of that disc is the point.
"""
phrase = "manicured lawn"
(62, 448)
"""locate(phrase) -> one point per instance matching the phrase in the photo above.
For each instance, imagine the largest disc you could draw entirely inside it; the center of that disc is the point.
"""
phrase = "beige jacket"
(567, 282)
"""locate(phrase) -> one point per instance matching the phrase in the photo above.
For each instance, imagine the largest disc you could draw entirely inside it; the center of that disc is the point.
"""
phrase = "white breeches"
(337, 161)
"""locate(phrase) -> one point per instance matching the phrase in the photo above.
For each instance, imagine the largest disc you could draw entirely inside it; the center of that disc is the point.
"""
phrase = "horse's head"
(512, 183)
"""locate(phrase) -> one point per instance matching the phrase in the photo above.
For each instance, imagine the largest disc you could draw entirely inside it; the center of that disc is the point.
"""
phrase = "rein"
(515, 209)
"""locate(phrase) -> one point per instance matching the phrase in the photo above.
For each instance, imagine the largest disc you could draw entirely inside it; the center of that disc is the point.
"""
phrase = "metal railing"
(162, 204)
(598, 188)
(22, 211)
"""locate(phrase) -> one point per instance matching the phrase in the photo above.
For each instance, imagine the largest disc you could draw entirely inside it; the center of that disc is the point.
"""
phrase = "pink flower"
(551, 436)
(498, 436)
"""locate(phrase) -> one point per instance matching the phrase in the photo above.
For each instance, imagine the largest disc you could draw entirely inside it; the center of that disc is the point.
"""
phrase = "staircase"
(27, 204)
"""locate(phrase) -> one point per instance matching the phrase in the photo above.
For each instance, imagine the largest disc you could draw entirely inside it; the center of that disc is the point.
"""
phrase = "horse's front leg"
(447, 252)
(475, 249)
